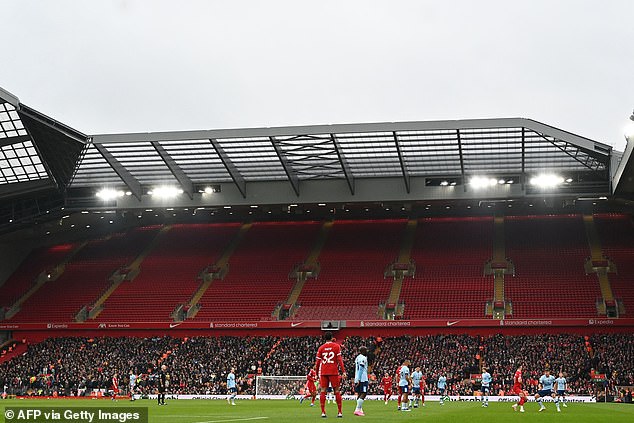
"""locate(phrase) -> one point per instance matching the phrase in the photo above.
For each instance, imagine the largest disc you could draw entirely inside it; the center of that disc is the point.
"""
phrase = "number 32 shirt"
(328, 359)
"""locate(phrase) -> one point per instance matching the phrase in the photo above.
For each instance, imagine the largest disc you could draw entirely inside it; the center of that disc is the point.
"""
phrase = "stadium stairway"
(217, 271)
(41, 264)
(85, 276)
(550, 281)
(128, 273)
(258, 277)
(351, 282)
(403, 267)
(307, 269)
(498, 266)
(169, 274)
(617, 232)
(450, 282)
(600, 265)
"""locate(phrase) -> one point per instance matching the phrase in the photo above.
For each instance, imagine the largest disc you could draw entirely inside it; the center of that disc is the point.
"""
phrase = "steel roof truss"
(290, 173)
(184, 180)
(131, 182)
(235, 174)
(344, 163)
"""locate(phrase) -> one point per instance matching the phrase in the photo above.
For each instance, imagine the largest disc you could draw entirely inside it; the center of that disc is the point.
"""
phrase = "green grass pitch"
(274, 411)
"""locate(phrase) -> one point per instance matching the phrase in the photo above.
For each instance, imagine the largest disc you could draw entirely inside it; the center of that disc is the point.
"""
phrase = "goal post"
(279, 386)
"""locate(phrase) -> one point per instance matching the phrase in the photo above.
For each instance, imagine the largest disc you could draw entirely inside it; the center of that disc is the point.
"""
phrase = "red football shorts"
(517, 389)
(332, 380)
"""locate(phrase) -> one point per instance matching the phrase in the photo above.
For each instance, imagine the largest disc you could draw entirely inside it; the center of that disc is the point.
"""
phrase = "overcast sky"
(130, 65)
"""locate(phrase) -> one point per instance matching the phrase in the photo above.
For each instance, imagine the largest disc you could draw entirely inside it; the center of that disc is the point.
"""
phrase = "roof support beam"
(401, 160)
(290, 173)
(344, 164)
(184, 180)
(125, 175)
(568, 153)
(464, 182)
(235, 174)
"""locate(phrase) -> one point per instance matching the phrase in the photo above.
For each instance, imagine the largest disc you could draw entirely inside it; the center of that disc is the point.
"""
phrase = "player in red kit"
(328, 363)
(517, 389)
(311, 377)
(115, 386)
(386, 383)
(400, 395)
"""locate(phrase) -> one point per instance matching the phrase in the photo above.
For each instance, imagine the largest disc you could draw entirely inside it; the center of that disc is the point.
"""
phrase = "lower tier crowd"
(80, 366)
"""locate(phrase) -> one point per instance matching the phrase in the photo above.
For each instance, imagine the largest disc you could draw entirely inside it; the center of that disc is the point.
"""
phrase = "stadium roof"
(397, 161)
(405, 150)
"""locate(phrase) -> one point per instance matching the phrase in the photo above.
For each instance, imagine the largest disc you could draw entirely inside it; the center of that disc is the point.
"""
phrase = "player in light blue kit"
(232, 390)
(442, 386)
(561, 383)
(361, 379)
(486, 386)
(404, 384)
(546, 389)
(417, 377)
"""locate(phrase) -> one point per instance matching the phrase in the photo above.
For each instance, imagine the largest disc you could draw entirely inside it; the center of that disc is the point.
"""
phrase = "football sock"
(338, 398)
(322, 402)
(359, 404)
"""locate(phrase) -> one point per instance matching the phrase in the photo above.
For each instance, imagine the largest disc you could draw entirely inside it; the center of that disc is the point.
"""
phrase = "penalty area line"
(234, 420)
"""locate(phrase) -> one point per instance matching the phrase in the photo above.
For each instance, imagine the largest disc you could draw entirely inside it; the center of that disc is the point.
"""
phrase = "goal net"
(279, 386)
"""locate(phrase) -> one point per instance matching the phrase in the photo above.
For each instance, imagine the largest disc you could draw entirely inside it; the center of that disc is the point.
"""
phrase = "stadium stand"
(549, 253)
(450, 254)
(40, 260)
(617, 235)
(84, 278)
(258, 274)
(351, 283)
(181, 254)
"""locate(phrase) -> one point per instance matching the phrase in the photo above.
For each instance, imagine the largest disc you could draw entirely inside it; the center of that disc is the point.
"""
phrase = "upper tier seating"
(85, 278)
(450, 254)
(617, 239)
(169, 273)
(352, 265)
(40, 260)
(549, 253)
(258, 272)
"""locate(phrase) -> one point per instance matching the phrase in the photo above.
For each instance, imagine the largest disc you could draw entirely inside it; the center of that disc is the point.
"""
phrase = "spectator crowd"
(79, 366)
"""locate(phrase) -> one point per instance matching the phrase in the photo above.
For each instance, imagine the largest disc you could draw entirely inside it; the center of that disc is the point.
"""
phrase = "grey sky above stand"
(135, 66)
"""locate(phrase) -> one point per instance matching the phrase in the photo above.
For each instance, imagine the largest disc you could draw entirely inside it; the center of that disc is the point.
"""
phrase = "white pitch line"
(234, 420)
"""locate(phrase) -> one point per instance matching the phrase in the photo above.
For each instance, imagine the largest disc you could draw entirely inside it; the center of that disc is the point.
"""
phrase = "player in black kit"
(162, 384)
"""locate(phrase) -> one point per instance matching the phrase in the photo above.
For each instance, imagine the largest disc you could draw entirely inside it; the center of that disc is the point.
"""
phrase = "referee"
(163, 383)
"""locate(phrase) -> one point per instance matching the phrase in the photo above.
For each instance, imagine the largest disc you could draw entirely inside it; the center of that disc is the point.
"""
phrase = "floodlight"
(482, 182)
(444, 183)
(109, 194)
(165, 191)
(547, 180)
